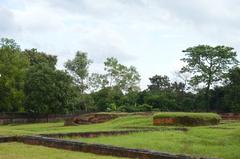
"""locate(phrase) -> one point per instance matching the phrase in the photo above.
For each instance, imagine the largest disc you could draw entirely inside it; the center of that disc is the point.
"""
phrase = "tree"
(13, 67)
(126, 78)
(164, 101)
(159, 83)
(178, 87)
(78, 68)
(232, 91)
(208, 65)
(130, 80)
(97, 81)
(48, 90)
(36, 57)
(107, 98)
(183, 78)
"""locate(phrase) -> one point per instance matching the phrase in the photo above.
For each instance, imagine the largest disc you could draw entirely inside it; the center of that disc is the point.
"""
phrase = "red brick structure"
(95, 148)
(92, 118)
(164, 121)
(230, 116)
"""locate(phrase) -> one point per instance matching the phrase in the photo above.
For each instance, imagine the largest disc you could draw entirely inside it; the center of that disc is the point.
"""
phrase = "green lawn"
(22, 151)
(39, 128)
(213, 141)
(219, 141)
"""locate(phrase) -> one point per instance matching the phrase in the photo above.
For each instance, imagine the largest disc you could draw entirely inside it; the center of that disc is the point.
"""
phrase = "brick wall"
(19, 118)
(100, 148)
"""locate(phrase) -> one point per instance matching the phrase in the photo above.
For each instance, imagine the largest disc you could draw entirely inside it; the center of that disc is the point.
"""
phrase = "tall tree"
(130, 80)
(98, 81)
(113, 69)
(232, 91)
(48, 90)
(78, 68)
(36, 57)
(159, 83)
(13, 67)
(126, 78)
(107, 97)
(208, 65)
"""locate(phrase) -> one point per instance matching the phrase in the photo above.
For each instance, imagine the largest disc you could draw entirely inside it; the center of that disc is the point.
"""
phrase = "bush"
(135, 108)
(144, 108)
(188, 119)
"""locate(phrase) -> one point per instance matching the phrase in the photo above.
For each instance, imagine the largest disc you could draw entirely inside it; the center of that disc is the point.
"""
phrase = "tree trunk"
(207, 102)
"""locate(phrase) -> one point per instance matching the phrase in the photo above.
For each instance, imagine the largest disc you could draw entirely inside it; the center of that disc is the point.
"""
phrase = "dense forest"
(30, 82)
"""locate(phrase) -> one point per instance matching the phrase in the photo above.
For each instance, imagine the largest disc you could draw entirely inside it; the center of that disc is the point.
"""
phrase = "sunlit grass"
(22, 151)
(221, 141)
(39, 128)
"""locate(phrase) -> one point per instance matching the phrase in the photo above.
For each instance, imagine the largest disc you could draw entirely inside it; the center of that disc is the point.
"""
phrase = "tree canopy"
(30, 82)
(208, 65)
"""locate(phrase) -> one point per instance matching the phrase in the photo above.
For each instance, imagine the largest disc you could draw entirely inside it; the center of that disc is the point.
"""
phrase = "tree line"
(30, 82)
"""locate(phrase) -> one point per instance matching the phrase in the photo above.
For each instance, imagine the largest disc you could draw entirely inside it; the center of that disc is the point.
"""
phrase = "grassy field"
(203, 141)
(119, 123)
(22, 151)
(212, 141)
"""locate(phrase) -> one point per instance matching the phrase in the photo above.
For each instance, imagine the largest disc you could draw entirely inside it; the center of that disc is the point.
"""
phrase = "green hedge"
(190, 119)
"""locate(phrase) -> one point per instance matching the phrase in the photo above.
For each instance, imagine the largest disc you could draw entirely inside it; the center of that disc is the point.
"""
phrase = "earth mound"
(186, 119)
(92, 118)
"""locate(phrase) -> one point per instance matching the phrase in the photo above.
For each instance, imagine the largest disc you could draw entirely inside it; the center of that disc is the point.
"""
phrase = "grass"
(190, 119)
(182, 114)
(221, 140)
(40, 128)
(22, 151)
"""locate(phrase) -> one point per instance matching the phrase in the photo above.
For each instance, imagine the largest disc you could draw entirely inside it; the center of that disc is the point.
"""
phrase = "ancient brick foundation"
(94, 148)
(94, 134)
(100, 148)
(164, 121)
(20, 118)
(230, 116)
(7, 139)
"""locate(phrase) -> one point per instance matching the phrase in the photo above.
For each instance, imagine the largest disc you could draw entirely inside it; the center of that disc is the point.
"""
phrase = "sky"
(148, 34)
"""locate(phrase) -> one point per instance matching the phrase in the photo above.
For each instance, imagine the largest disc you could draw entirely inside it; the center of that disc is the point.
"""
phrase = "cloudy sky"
(148, 34)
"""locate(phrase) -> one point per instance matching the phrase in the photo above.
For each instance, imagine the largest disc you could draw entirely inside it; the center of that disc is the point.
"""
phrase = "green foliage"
(48, 90)
(232, 91)
(112, 108)
(97, 82)
(166, 96)
(144, 108)
(13, 67)
(160, 100)
(78, 68)
(159, 83)
(36, 58)
(126, 78)
(118, 88)
(208, 65)
(107, 97)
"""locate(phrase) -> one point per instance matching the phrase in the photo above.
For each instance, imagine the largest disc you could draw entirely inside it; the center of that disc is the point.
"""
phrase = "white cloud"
(7, 21)
(149, 34)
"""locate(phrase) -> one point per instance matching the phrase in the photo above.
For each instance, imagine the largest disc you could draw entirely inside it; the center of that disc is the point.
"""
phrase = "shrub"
(188, 119)
(144, 108)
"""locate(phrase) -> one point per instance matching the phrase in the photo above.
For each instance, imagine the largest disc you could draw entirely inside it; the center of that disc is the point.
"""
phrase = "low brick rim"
(99, 149)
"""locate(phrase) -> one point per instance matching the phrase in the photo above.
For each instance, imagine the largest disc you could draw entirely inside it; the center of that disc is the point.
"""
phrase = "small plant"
(112, 108)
